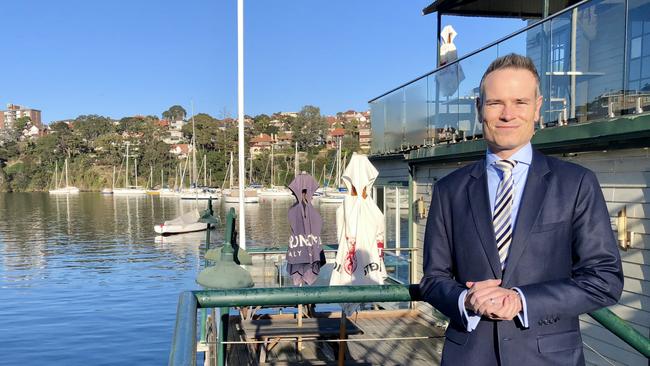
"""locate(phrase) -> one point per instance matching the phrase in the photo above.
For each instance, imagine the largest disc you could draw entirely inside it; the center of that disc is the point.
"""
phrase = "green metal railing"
(183, 351)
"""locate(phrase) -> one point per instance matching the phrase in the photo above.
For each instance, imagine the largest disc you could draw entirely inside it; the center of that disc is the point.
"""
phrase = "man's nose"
(507, 113)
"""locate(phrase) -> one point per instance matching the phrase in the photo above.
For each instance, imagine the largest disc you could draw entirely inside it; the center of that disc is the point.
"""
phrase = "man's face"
(509, 109)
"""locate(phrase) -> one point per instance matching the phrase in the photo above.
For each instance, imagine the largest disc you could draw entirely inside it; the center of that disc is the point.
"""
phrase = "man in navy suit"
(518, 244)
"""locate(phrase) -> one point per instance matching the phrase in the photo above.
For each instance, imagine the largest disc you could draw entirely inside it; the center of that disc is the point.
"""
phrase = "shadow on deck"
(383, 341)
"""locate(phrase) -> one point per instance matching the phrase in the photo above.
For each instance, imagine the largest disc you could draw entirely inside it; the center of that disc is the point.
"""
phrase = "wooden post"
(342, 336)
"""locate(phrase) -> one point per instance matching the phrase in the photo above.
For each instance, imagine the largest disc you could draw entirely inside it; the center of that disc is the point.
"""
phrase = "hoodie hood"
(360, 174)
(303, 181)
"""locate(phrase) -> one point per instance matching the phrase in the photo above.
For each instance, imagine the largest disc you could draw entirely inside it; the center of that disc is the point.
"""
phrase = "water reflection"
(89, 270)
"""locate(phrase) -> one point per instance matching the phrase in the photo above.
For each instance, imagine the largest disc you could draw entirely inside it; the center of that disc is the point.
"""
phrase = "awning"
(496, 8)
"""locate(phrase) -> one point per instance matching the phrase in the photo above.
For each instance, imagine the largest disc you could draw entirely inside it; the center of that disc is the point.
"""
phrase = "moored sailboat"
(68, 189)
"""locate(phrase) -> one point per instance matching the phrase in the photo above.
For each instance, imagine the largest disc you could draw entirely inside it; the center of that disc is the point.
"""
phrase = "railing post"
(183, 350)
(224, 314)
(397, 226)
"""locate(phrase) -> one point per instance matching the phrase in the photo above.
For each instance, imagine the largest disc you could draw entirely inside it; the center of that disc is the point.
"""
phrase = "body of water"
(85, 281)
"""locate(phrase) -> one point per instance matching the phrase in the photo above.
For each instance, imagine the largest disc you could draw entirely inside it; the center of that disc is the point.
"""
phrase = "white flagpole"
(240, 110)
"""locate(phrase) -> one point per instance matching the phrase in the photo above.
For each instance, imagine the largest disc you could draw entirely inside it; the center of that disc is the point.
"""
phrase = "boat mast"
(296, 163)
(272, 170)
(337, 161)
(56, 174)
(194, 178)
(232, 179)
(135, 163)
(250, 171)
(126, 176)
(66, 174)
(113, 180)
(205, 170)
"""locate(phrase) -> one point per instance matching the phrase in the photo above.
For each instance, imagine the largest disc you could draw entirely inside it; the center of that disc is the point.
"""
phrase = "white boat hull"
(230, 199)
(200, 196)
(179, 229)
(274, 193)
(331, 199)
(129, 191)
(65, 190)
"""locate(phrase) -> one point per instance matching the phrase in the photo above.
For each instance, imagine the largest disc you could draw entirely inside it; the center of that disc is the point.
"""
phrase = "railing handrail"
(472, 53)
(307, 294)
(183, 350)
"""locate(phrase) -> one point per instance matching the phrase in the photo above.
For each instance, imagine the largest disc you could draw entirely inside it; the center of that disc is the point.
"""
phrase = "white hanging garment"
(360, 229)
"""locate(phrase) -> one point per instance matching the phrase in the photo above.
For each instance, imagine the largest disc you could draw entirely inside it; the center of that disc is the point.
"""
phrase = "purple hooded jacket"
(305, 252)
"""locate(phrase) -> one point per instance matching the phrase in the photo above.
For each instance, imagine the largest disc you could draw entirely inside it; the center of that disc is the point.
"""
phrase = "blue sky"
(125, 57)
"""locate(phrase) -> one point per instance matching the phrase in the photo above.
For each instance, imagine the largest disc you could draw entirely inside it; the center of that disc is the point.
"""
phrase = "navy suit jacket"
(563, 257)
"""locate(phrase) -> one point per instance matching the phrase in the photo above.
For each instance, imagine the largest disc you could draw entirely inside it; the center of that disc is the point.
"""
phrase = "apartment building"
(9, 117)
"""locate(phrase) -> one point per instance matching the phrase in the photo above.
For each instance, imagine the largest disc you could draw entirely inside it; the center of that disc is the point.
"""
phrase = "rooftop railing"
(594, 64)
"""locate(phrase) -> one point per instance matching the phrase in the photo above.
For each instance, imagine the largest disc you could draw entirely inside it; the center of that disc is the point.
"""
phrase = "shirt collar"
(524, 155)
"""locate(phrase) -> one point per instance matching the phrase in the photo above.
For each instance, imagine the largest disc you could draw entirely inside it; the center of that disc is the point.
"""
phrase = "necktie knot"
(505, 166)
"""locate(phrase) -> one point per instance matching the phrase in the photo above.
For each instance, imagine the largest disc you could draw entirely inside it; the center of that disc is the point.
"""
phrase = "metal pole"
(574, 31)
(240, 111)
(183, 350)
(397, 228)
(222, 336)
(412, 237)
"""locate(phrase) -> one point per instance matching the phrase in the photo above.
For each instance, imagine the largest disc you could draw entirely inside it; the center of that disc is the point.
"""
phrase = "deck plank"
(375, 324)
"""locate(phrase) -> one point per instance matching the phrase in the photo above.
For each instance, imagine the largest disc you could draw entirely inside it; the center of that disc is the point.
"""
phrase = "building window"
(639, 71)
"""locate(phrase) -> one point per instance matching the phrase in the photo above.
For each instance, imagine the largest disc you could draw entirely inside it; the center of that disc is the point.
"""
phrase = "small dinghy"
(186, 223)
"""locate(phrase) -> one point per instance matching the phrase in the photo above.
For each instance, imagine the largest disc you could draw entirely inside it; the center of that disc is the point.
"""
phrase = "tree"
(175, 113)
(308, 128)
(261, 124)
(349, 144)
(22, 122)
(92, 126)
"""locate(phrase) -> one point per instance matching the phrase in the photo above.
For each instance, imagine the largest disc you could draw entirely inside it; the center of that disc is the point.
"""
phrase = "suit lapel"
(477, 195)
(529, 209)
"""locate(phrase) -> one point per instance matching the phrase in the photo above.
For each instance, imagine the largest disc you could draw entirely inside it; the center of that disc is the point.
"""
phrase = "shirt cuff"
(469, 318)
(523, 315)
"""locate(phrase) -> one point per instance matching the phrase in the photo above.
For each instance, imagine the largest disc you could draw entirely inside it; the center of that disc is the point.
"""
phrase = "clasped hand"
(487, 298)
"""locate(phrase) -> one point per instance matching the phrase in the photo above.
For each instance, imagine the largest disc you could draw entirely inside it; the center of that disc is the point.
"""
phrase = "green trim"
(618, 133)
(622, 330)
(307, 295)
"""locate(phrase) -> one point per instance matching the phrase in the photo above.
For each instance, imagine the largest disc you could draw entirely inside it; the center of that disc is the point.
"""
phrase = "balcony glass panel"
(637, 80)
(378, 111)
(473, 68)
(443, 95)
(394, 121)
(415, 96)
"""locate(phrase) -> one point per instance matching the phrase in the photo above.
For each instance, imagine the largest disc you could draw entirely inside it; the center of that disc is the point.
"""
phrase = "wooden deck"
(381, 343)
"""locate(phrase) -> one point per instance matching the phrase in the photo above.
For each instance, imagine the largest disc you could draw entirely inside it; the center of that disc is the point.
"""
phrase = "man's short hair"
(511, 61)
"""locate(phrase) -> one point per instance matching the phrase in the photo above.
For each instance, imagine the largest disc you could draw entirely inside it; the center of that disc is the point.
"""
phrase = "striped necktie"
(502, 218)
